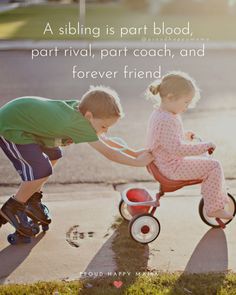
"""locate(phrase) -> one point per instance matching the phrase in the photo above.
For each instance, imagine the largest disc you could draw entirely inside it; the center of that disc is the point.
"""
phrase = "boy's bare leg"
(28, 188)
(30, 193)
(15, 208)
(53, 162)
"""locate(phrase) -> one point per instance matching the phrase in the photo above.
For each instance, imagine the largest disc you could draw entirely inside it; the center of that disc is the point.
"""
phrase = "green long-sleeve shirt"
(44, 121)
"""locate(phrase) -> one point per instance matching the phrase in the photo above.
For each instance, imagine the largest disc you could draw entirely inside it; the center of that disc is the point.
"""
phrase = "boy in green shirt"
(32, 129)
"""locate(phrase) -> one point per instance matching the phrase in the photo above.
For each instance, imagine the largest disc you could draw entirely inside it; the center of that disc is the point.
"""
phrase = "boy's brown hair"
(102, 102)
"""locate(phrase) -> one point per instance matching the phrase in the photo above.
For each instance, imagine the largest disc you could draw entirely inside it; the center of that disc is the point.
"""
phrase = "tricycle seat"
(166, 184)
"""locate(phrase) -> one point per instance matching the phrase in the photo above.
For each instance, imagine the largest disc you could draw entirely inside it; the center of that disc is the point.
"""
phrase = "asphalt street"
(213, 118)
(95, 205)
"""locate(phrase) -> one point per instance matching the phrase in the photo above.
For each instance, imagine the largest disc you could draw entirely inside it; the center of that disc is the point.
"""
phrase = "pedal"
(221, 223)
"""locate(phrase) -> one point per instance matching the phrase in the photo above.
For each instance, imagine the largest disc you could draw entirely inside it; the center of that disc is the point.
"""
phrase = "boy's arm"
(142, 160)
(117, 145)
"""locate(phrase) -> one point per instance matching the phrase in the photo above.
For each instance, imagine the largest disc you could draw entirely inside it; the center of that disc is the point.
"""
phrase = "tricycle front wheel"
(144, 228)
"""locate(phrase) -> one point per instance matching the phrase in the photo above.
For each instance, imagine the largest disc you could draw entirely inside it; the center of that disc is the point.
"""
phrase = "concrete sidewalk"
(8, 6)
(79, 241)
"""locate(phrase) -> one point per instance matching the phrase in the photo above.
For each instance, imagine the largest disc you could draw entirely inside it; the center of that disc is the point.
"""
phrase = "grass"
(132, 257)
(29, 23)
(162, 284)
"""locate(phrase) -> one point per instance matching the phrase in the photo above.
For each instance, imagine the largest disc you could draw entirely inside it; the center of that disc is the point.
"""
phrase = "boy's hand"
(144, 158)
(68, 142)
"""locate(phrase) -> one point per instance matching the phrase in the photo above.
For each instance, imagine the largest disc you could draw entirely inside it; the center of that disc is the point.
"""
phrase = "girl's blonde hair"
(175, 82)
(103, 102)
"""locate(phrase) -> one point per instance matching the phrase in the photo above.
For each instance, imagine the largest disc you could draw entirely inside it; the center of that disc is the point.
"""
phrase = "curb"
(6, 7)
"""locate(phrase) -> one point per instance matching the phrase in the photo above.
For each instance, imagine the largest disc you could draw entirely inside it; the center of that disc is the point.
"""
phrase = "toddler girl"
(175, 156)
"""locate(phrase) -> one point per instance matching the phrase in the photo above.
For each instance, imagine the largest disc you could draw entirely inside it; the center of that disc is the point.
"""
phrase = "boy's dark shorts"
(31, 161)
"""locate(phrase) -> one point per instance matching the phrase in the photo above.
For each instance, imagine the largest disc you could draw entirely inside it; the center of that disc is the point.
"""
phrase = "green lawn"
(132, 257)
(163, 284)
(29, 22)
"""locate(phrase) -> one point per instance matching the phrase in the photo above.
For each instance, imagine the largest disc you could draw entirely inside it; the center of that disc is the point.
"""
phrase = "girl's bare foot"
(221, 213)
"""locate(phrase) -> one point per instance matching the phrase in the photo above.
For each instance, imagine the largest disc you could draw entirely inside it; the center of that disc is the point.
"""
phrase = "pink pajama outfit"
(179, 160)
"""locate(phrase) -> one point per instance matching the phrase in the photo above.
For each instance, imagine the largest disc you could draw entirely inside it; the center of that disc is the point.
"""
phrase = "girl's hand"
(211, 148)
(144, 158)
(189, 135)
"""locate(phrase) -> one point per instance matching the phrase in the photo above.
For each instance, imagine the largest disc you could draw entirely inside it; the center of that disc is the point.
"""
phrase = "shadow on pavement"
(210, 256)
(103, 262)
(12, 256)
(130, 260)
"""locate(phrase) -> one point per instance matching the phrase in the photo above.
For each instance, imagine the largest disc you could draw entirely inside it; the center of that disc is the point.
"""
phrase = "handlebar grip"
(210, 151)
